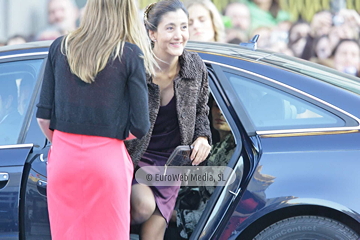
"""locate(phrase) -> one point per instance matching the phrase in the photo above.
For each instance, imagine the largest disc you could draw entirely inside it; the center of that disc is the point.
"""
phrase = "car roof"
(223, 51)
(25, 46)
(289, 70)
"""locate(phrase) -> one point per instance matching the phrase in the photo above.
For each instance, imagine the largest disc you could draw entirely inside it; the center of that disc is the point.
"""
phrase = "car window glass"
(272, 109)
(17, 81)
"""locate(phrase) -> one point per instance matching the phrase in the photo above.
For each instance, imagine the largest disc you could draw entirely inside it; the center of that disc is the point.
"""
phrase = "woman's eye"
(170, 28)
(185, 27)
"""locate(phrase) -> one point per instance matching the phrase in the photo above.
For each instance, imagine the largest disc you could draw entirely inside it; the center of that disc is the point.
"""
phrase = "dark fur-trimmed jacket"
(191, 89)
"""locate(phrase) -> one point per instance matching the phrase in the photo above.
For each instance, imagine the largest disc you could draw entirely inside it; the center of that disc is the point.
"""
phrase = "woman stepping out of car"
(94, 96)
(178, 96)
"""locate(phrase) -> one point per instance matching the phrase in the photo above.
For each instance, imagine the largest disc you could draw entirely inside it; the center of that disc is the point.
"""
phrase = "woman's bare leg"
(154, 228)
(142, 203)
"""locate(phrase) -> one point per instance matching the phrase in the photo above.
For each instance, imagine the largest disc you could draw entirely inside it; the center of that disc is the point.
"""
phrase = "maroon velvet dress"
(165, 138)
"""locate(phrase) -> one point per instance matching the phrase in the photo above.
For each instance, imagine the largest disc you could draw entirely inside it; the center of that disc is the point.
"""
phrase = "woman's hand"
(44, 125)
(130, 137)
(173, 216)
(201, 150)
(321, 24)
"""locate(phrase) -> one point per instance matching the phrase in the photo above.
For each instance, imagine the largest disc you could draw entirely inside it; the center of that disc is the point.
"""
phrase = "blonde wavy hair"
(215, 15)
(104, 28)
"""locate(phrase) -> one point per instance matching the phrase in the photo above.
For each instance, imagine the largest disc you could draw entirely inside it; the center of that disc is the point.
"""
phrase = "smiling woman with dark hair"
(178, 96)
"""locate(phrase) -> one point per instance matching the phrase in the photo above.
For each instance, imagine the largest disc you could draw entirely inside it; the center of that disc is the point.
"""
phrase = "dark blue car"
(297, 156)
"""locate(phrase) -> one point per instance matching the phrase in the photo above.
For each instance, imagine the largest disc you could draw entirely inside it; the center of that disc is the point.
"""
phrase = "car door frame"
(219, 205)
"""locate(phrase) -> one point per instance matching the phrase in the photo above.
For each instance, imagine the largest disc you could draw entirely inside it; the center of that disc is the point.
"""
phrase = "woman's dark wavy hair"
(155, 11)
(341, 42)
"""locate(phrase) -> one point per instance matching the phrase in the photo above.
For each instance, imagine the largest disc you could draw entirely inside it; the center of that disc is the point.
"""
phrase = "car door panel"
(245, 153)
(35, 215)
(322, 169)
(12, 160)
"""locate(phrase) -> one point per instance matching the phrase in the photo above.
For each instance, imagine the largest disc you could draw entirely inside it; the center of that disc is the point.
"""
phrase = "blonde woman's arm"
(44, 126)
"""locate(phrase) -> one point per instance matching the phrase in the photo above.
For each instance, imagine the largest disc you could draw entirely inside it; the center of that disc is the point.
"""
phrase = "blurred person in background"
(343, 31)
(299, 29)
(322, 51)
(264, 41)
(240, 22)
(351, 18)
(63, 14)
(346, 57)
(25, 92)
(266, 13)
(323, 23)
(50, 33)
(16, 39)
(346, 28)
(297, 37)
(205, 21)
(280, 38)
(10, 119)
(322, 47)
(235, 36)
(239, 15)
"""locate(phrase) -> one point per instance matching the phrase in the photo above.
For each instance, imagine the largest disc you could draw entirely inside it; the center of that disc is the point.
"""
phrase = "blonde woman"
(94, 96)
(205, 21)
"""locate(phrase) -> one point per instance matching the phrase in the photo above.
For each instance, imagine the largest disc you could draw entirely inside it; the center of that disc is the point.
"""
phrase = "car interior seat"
(269, 108)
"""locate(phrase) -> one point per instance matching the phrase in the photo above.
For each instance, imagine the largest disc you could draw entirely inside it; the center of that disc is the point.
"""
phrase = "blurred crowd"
(331, 38)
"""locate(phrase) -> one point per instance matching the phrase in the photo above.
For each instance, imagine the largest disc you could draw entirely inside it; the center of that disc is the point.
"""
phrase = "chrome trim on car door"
(222, 204)
(307, 132)
(27, 145)
(23, 55)
(41, 183)
(4, 176)
(41, 157)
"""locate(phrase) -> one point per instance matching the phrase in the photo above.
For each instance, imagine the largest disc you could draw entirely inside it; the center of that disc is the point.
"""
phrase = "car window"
(17, 81)
(272, 109)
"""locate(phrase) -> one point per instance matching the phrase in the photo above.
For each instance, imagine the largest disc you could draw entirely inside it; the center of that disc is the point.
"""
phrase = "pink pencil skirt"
(88, 191)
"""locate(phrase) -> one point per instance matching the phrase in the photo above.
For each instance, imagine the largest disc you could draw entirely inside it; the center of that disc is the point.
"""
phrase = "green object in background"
(227, 22)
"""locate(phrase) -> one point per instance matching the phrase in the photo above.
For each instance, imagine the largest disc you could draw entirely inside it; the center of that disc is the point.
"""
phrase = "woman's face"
(347, 58)
(301, 30)
(172, 34)
(219, 122)
(200, 24)
(323, 48)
